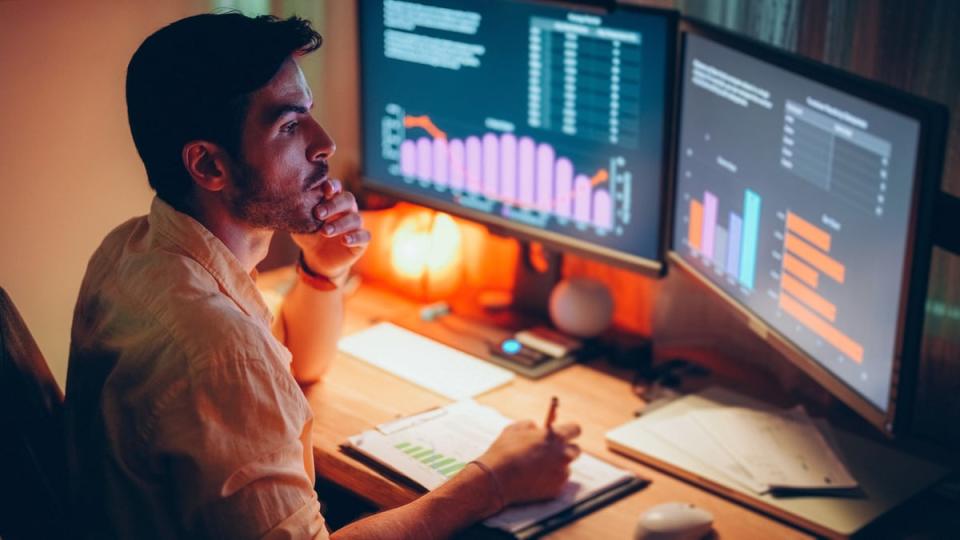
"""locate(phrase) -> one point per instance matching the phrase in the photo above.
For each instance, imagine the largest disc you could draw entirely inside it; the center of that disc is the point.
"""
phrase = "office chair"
(32, 448)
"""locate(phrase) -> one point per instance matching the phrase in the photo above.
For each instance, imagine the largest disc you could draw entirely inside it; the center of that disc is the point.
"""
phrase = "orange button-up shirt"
(183, 419)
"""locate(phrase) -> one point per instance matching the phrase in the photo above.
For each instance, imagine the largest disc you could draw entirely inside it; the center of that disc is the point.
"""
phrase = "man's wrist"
(498, 502)
(319, 280)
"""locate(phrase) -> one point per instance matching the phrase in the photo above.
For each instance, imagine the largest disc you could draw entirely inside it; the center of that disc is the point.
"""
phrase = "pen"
(552, 414)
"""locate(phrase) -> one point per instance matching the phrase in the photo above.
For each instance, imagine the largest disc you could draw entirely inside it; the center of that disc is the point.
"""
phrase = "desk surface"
(355, 396)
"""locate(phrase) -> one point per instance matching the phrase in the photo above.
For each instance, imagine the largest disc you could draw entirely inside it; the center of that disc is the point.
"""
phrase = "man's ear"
(207, 163)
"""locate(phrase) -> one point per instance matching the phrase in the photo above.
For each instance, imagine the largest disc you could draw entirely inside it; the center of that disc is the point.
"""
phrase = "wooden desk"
(356, 396)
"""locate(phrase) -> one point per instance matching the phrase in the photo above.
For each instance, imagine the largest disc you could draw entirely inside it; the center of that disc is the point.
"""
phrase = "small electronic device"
(536, 352)
(512, 349)
(674, 521)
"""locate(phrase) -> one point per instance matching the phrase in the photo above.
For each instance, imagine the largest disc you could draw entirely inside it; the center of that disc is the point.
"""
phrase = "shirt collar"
(197, 242)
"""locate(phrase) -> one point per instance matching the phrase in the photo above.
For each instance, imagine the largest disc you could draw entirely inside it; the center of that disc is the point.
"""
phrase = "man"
(185, 418)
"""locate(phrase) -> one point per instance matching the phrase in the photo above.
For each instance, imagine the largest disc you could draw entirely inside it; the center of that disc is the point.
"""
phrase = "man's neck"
(248, 244)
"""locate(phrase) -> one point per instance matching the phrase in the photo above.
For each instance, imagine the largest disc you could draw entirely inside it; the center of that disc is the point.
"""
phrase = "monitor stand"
(536, 274)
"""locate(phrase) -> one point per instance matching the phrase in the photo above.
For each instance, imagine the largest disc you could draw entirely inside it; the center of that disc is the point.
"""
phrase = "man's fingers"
(567, 431)
(357, 238)
(331, 187)
(571, 452)
(340, 203)
(344, 224)
(522, 424)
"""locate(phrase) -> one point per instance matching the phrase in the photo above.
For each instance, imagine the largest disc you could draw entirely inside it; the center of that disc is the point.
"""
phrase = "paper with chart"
(432, 447)
(447, 371)
(781, 450)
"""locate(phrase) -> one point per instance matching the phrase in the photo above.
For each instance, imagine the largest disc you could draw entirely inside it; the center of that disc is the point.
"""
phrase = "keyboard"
(430, 364)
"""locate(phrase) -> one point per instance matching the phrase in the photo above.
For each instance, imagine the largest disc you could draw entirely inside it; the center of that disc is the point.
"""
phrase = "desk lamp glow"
(425, 253)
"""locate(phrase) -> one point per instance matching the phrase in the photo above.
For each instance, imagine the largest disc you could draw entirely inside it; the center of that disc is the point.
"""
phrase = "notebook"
(449, 372)
(431, 447)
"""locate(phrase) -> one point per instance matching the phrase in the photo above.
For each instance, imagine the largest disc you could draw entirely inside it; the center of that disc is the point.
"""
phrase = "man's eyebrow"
(279, 111)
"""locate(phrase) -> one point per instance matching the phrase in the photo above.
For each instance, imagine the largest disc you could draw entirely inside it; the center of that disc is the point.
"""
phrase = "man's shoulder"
(152, 288)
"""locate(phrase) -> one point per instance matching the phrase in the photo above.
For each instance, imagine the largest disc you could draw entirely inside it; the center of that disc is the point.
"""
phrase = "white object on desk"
(581, 307)
(447, 371)
(673, 521)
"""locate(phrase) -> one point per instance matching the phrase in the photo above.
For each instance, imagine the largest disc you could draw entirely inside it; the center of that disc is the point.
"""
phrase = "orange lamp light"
(426, 254)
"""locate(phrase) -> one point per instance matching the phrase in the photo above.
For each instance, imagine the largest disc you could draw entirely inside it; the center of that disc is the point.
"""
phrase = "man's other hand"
(341, 239)
(531, 463)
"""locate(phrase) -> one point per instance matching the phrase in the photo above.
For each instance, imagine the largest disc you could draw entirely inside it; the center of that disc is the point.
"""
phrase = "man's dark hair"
(191, 80)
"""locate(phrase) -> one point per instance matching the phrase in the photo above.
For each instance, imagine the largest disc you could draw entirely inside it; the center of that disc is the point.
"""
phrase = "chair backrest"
(32, 449)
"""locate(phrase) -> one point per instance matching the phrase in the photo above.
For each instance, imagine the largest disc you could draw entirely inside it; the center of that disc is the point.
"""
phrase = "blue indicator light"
(510, 346)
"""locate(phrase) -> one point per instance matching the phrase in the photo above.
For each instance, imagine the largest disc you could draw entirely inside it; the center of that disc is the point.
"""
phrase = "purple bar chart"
(515, 171)
(731, 250)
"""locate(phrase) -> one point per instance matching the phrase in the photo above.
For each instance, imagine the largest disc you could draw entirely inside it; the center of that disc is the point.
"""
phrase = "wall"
(69, 172)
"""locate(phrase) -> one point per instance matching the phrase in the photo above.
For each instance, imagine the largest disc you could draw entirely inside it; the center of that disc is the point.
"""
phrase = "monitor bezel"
(931, 118)
(558, 241)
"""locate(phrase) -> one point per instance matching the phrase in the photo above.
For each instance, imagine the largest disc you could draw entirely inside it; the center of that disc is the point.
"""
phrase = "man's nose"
(323, 146)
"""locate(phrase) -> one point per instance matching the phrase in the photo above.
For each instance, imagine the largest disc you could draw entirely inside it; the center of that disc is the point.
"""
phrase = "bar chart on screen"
(805, 274)
(805, 258)
(516, 171)
(731, 250)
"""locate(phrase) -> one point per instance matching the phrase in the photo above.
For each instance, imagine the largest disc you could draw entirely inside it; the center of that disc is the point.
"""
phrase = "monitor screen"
(796, 198)
(539, 118)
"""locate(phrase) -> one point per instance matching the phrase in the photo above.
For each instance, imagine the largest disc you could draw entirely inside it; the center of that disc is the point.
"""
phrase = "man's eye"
(289, 127)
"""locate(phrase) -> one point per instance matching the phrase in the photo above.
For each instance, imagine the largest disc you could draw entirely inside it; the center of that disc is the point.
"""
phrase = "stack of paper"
(760, 449)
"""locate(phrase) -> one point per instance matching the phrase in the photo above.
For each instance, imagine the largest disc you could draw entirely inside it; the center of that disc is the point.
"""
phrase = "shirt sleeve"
(233, 443)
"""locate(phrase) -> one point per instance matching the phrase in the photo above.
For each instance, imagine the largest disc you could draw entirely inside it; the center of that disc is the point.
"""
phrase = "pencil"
(552, 414)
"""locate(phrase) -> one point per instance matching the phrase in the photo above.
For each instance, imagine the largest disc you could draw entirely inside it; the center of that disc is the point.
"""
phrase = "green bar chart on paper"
(433, 446)
(445, 465)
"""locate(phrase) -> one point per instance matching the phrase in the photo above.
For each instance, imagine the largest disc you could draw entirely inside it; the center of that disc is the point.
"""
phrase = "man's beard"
(256, 204)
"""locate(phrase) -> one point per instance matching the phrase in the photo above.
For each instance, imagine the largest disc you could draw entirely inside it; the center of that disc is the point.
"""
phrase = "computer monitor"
(803, 197)
(545, 120)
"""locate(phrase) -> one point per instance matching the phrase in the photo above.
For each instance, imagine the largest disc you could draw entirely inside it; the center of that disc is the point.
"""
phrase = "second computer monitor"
(544, 120)
(797, 196)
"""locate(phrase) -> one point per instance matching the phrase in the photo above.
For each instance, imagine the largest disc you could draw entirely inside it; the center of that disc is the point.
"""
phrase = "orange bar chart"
(808, 231)
(814, 258)
(695, 231)
(806, 256)
(806, 295)
(800, 270)
(823, 329)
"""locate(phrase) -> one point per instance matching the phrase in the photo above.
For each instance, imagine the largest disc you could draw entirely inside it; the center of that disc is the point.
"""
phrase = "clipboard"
(581, 509)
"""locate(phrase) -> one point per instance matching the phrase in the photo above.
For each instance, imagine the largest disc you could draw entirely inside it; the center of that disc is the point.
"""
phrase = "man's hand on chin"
(341, 239)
